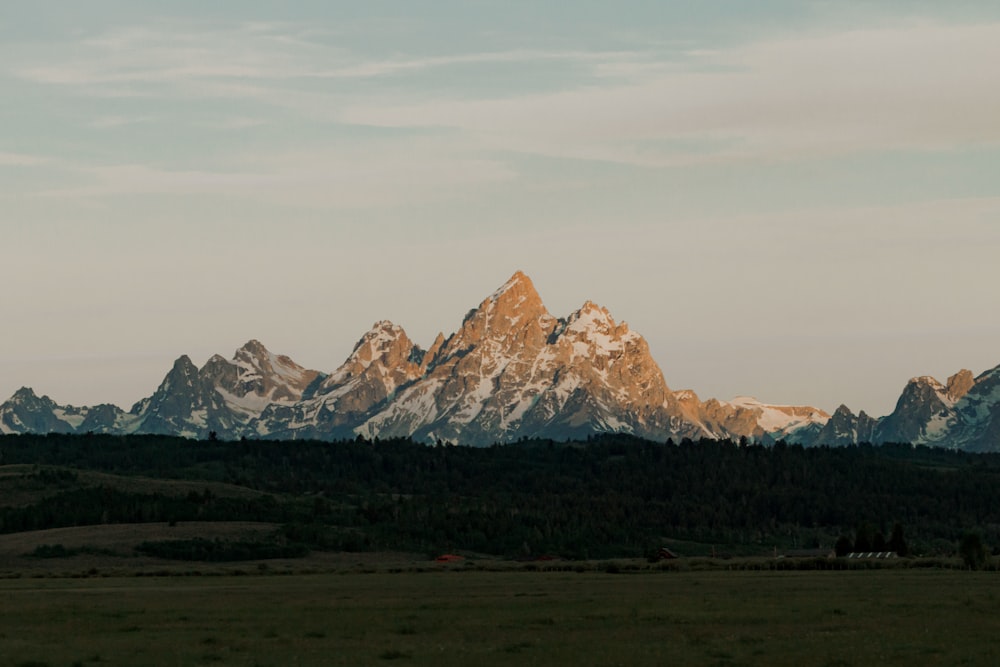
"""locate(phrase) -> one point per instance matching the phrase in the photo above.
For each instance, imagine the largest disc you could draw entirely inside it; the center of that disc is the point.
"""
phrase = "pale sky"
(798, 201)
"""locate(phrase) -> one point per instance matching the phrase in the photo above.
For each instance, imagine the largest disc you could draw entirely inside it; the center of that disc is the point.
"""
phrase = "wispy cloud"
(376, 68)
(371, 177)
(21, 160)
(105, 122)
(235, 123)
(178, 52)
(170, 52)
(913, 86)
(918, 86)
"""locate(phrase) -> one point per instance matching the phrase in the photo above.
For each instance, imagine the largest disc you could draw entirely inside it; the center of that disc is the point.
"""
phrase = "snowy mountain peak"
(513, 369)
(516, 300)
(781, 420)
(926, 381)
(385, 341)
(252, 348)
(519, 283)
(505, 324)
(25, 412)
(384, 355)
(596, 323)
(381, 335)
(592, 313)
(589, 307)
(922, 413)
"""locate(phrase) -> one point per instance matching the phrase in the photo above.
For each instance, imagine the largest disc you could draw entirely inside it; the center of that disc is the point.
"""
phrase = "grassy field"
(460, 617)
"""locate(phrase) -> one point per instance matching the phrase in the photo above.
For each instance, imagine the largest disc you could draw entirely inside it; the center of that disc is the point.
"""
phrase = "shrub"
(201, 549)
(973, 551)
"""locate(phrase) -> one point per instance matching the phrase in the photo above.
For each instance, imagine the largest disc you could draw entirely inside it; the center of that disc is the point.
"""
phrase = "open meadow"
(461, 616)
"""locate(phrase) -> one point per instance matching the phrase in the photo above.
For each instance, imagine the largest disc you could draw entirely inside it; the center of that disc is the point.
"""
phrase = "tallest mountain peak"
(512, 308)
(516, 299)
(517, 285)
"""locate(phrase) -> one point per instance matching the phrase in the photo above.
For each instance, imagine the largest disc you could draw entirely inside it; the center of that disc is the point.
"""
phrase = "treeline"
(102, 504)
(613, 495)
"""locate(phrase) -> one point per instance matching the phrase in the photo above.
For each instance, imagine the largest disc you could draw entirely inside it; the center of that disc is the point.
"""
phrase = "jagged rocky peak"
(256, 370)
(385, 343)
(432, 354)
(23, 395)
(511, 322)
(183, 371)
(253, 355)
(171, 406)
(923, 393)
(383, 360)
(218, 369)
(841, 429)
(384, 351)
(960, 383)
(923, 401)
(596, 324)
(511, 307)
(923, 388)
(25, 398)
(26, 412)
(842, 418)
(384, 338)
(843, 411)
(252, 349)
(517, 294)
(594, 316)
(591, 339)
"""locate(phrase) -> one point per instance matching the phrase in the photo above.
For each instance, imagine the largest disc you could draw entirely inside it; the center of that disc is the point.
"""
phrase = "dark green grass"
(888, 617)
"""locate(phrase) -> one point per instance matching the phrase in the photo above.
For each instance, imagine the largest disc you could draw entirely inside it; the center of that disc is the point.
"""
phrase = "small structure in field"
(449, 558)
(666, 554)
(872, 555)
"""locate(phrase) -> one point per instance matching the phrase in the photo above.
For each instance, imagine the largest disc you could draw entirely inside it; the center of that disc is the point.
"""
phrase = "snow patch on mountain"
(780, 418)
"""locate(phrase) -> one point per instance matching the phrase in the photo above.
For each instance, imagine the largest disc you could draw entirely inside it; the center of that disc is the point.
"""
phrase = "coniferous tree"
(897, 542)
(973, 551)
(843, 546)
(864, 538)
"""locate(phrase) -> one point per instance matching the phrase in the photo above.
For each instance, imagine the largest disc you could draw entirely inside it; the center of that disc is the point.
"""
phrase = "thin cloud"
(237, 123)
(21, 160)
(172, 53)
(377, 68)
(920, 86)
(106, 122)
(366, 178)
(914, 86)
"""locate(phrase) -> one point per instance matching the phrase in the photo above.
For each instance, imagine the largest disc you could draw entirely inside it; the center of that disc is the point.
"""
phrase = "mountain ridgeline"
(511, 371)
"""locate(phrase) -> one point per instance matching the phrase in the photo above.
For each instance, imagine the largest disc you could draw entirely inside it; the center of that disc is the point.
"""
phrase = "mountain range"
(511, 371)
